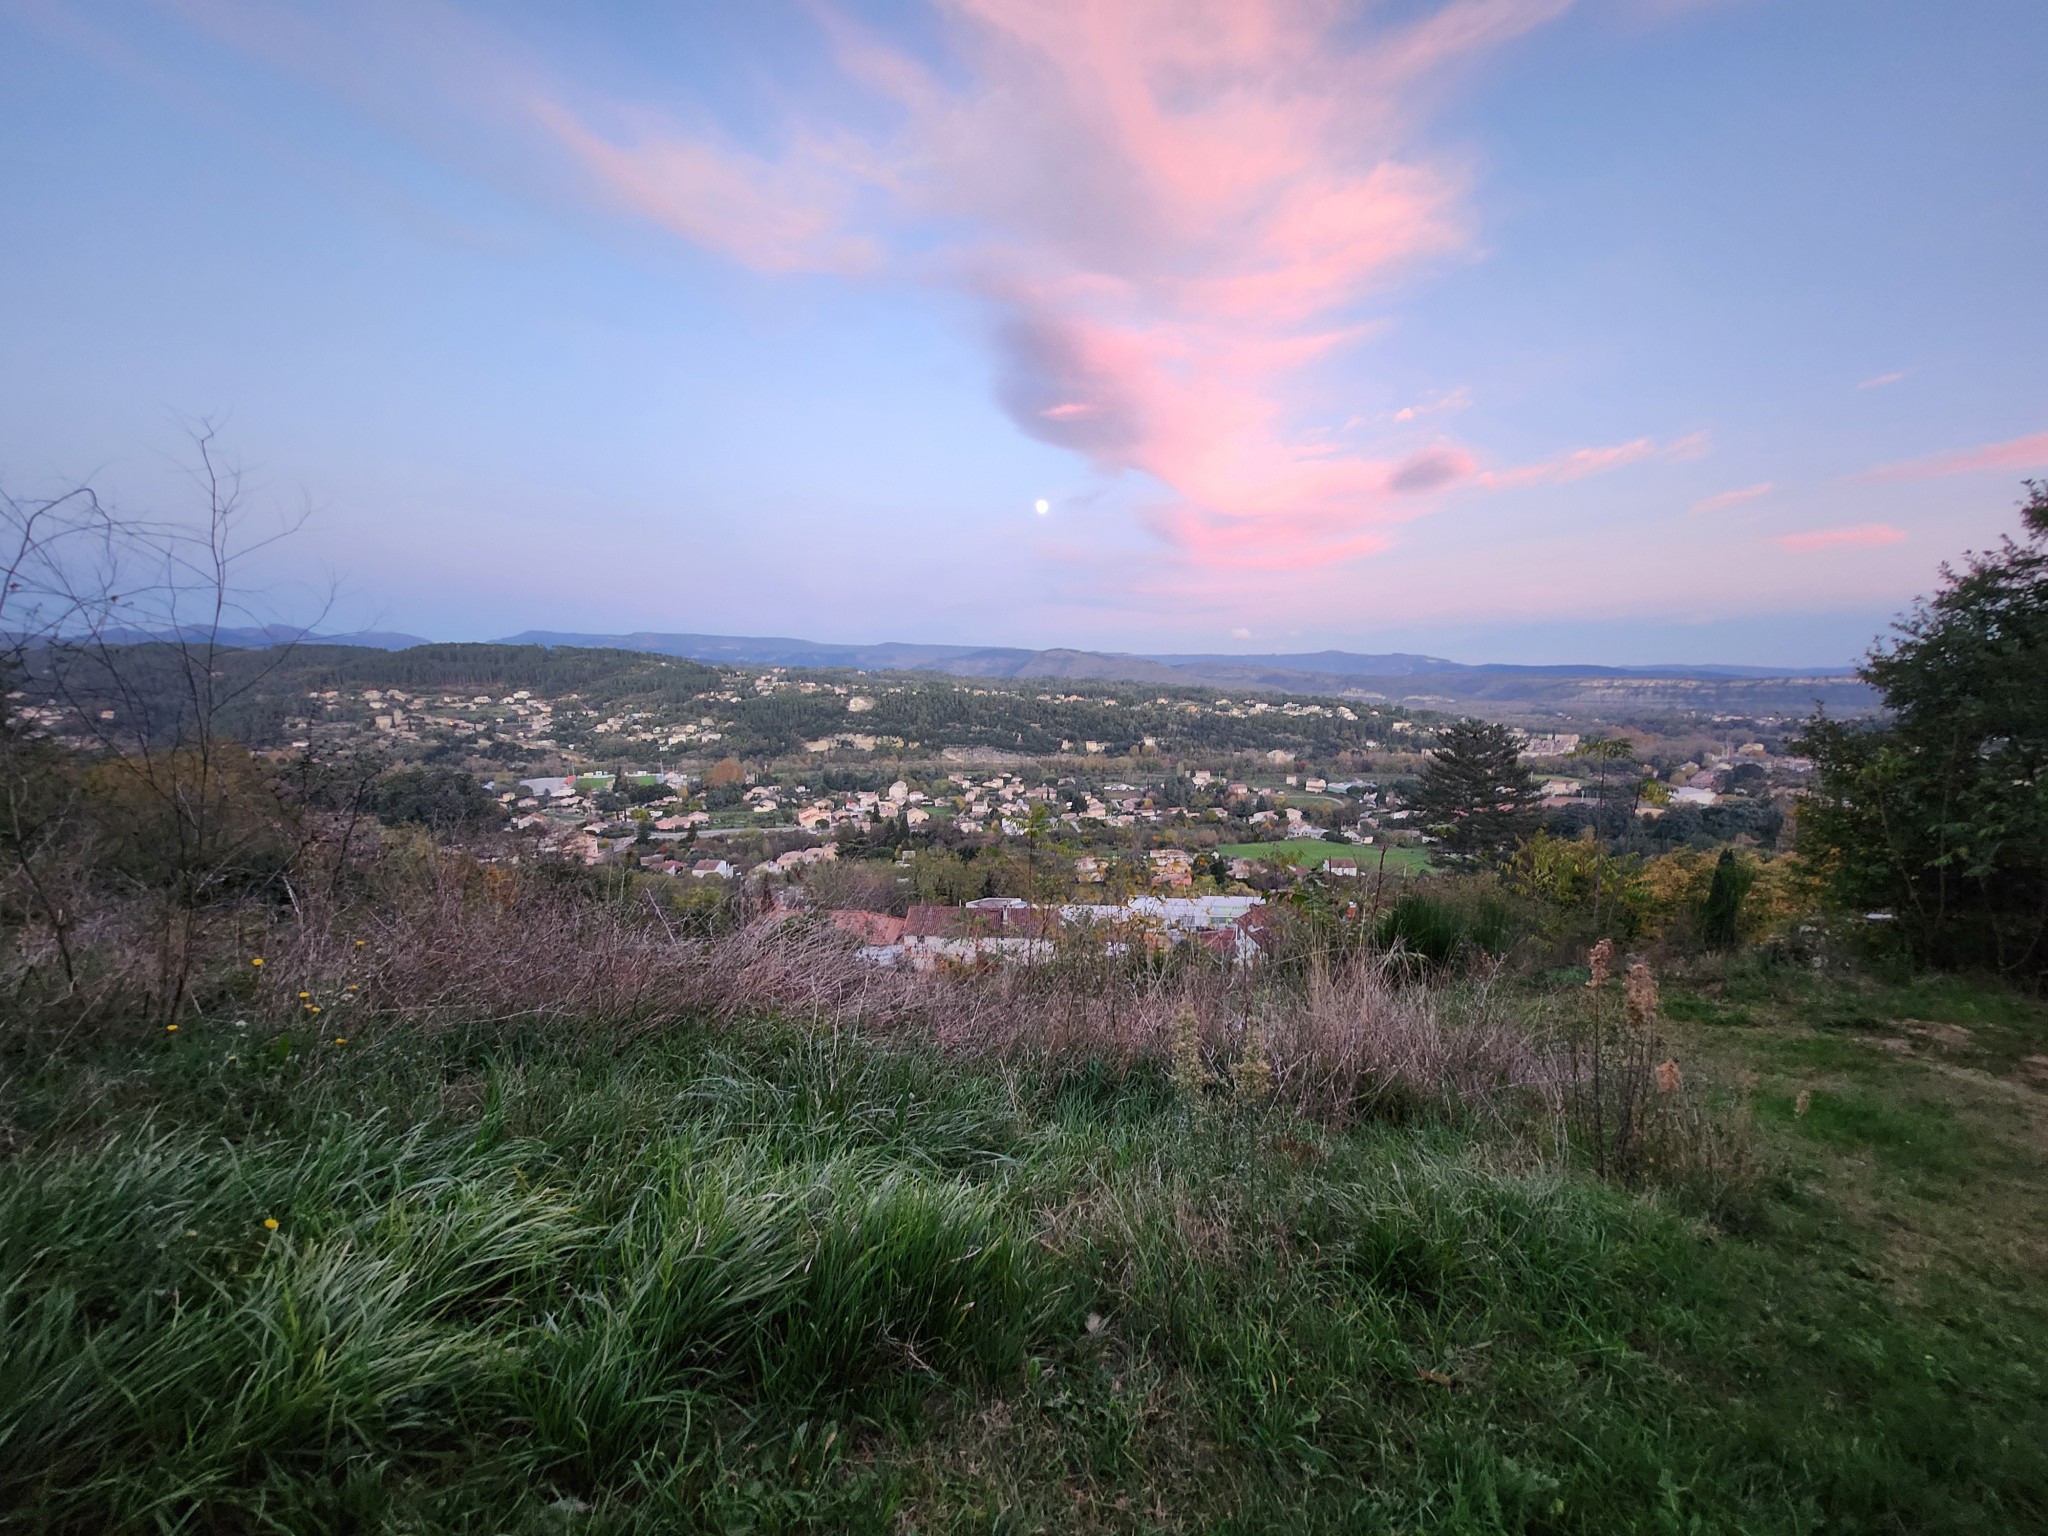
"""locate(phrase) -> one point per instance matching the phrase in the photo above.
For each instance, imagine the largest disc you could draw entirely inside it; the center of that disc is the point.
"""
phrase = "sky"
(1624, 331)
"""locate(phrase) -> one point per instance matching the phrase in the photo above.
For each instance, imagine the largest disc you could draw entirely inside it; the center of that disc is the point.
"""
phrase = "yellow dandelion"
(170, 1029)
(359, 943)
(313, 1007)
(257, 962)
(341, 1039)
(351, 986)
(270, 1223)
(304, 995)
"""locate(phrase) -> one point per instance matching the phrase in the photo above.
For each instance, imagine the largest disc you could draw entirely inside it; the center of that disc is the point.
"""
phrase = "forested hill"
(1431, 681)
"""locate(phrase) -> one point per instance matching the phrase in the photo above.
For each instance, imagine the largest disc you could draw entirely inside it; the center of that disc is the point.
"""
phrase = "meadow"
(1311, 853)
(771, 1268)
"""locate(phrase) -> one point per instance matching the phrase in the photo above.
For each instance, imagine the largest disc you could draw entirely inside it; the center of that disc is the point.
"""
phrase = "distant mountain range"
(1397, 677)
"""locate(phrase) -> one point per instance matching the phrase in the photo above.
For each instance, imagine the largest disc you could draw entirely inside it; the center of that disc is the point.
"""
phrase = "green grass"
(767, 1279)
(1312, 853)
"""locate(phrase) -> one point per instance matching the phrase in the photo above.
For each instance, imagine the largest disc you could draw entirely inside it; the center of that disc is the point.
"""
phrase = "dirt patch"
(1949, 1036)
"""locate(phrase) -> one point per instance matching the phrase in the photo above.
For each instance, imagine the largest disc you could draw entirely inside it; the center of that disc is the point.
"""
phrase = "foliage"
(1433, 928)
(1940, 816)
(444, 800)
(1579, 890)
(1474, 792)
(1721, 922)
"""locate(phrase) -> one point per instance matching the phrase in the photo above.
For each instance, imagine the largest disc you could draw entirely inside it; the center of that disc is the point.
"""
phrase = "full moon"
(1042, 506)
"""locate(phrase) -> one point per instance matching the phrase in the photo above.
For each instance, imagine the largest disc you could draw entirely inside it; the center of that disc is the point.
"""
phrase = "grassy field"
(1312, 853)
(778, 1278)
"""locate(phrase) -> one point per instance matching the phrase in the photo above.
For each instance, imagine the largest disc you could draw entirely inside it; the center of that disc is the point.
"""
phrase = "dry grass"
(1346, 1039)
(441, 942)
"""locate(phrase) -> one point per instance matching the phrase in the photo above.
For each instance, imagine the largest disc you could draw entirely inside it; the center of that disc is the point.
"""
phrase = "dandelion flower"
(341, 1039)
(170, 1029)
(359, 943)
(257, 962)
(270, 1223)
(304, 995)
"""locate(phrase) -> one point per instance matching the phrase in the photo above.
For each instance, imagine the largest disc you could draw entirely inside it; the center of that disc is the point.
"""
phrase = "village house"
(1172, 866)
(874, 929)
(712, 869)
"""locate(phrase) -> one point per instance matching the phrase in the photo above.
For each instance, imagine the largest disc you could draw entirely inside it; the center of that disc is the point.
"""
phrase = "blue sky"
(1527, 330)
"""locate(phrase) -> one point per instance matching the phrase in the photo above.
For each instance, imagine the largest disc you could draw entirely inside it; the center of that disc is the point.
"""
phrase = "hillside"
(1567, 692)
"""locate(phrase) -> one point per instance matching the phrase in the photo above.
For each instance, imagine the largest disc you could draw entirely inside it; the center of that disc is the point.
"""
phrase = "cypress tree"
(1732, 879)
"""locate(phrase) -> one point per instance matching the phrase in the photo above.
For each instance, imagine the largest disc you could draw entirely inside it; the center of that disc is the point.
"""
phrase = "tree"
(1720, 924)
(1475, 793)
(133, 626)
(1939, 815)
(1605, 751)
(444, 800)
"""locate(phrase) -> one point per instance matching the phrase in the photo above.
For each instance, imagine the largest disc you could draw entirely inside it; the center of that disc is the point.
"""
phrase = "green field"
(1312, 853)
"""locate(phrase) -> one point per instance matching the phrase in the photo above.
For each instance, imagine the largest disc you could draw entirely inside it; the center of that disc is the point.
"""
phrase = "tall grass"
(758, 1277)
(448, 945)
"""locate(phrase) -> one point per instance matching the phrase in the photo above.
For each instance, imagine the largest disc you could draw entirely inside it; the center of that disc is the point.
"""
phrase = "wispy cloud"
(2016, 453)
(1581, 463)
(774, 215)
(1736, 498)
(1173, 209)
(1863, 535)
(1881, 380)
(1452, 400)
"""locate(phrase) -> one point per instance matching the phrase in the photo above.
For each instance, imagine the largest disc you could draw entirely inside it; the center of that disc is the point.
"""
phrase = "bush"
(446, 801)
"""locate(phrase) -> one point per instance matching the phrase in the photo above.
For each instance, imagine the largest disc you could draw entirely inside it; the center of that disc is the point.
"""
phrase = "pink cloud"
(2018, 453)
(1880, 380)
(1862, 536)
(1727, 499)
(1565, 468)
(772, 215)
(1453, 400)
(1174, 209)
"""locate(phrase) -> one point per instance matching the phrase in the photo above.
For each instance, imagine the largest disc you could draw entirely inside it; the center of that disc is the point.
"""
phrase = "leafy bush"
(445, 800)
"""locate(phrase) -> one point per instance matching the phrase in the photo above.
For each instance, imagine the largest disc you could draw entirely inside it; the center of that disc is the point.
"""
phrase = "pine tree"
(1475, 793)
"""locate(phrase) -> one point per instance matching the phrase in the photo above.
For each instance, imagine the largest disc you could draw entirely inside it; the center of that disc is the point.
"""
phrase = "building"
(1557, 744)
(875, 929)
(712, 869)
(1172, 866)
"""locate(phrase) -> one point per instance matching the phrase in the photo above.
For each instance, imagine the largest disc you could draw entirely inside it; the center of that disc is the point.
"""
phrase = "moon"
(1041, 506)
